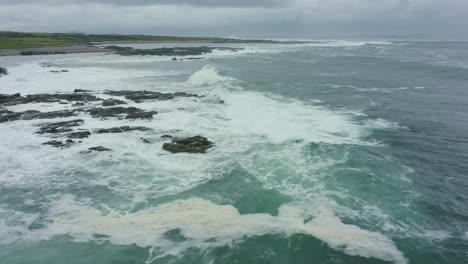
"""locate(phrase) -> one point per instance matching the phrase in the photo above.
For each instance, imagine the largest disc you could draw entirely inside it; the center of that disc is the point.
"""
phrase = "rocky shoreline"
(123, 51)
(52, 50)
(65, 134)
(175, 51)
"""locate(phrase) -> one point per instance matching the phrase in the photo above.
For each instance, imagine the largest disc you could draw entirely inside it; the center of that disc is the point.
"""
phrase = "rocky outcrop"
(197, 144)
(128, 112)
(140, 96)
(59, 144)
(121, 129)
(15, 99)
(176, 51)
(99, 149)
(112, 102)
(3, 71)
(59, 127)
(79, 134)
(81, 91)
(43, 52)
(33, 114)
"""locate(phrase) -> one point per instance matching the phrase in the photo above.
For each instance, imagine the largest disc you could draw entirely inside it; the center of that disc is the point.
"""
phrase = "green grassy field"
(22, 40)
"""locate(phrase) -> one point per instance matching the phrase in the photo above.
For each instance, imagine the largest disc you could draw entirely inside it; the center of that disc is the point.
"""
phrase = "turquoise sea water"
(333, 152)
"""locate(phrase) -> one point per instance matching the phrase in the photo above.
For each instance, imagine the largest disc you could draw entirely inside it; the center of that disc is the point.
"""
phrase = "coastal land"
(25, 43)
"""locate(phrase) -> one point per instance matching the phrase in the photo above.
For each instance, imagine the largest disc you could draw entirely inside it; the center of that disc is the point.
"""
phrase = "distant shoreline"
(54, 50)
(13, 43)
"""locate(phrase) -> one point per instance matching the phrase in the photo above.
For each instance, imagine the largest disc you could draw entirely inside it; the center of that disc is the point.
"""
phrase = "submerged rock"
(59, 127)
(112, 102)
(3, 71)
(29, 53)
(175, 51)
(81, 91)
(79, 134)
(145, 140)
(197, 144)
(140, 96)
(121, 129)
(99, 148)
(130, 112)
(33, 114)
(46, 98)
(59, 144)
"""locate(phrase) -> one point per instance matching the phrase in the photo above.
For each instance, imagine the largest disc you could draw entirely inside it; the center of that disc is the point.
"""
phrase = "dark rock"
(59, 127)
(145, 140)
(197, 144)
(166, 136)
(33, 114)
(121, 129)
(81, 91)
(79, 134)
(140, 115)
(174, 59)
(78, 104)
(112, 102)
(140, 96)
(64, 71)
(6, 99)
(45, 98)
(3, 71)
(59, 144)
(131, 112)
(29, 53)
(175, 51)
(99, 148)
(193, 58)
(54, 71)
(55, 143)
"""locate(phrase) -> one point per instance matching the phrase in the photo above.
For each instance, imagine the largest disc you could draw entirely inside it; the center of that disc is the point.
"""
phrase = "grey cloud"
(203, 3)
(300, 18)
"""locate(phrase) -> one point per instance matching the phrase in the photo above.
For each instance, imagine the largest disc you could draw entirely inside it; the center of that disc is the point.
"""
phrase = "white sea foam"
(246, 121)
(207, 225)
(33, 78)
(209, 75)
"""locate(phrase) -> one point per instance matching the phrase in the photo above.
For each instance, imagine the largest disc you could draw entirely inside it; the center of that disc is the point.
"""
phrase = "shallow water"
(334, 152)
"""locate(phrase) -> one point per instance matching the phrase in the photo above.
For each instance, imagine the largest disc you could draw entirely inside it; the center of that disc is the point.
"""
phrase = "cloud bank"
(243, 18)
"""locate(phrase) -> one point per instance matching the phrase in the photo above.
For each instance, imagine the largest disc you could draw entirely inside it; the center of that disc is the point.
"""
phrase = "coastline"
(54, 50)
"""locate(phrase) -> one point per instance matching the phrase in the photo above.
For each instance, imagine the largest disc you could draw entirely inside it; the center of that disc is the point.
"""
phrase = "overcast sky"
(241, 18)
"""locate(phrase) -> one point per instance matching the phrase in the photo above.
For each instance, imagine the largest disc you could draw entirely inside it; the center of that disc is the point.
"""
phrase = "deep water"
(332, 152)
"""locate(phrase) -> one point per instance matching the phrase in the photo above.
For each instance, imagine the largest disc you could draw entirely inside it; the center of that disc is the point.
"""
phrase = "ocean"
(327, 152)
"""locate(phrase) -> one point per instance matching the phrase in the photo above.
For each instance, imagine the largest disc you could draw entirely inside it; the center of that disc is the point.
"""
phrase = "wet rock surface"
(99, 149)
(30, 53)
(121, 129)
(15, 99)
(128, 112)
(85, 103)
(60, 127)
(33, 114)
(81, 91)
(140, 96)
(175, 51)
(3, 71)
(79, 134)
(112, 102)
(197, 144)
